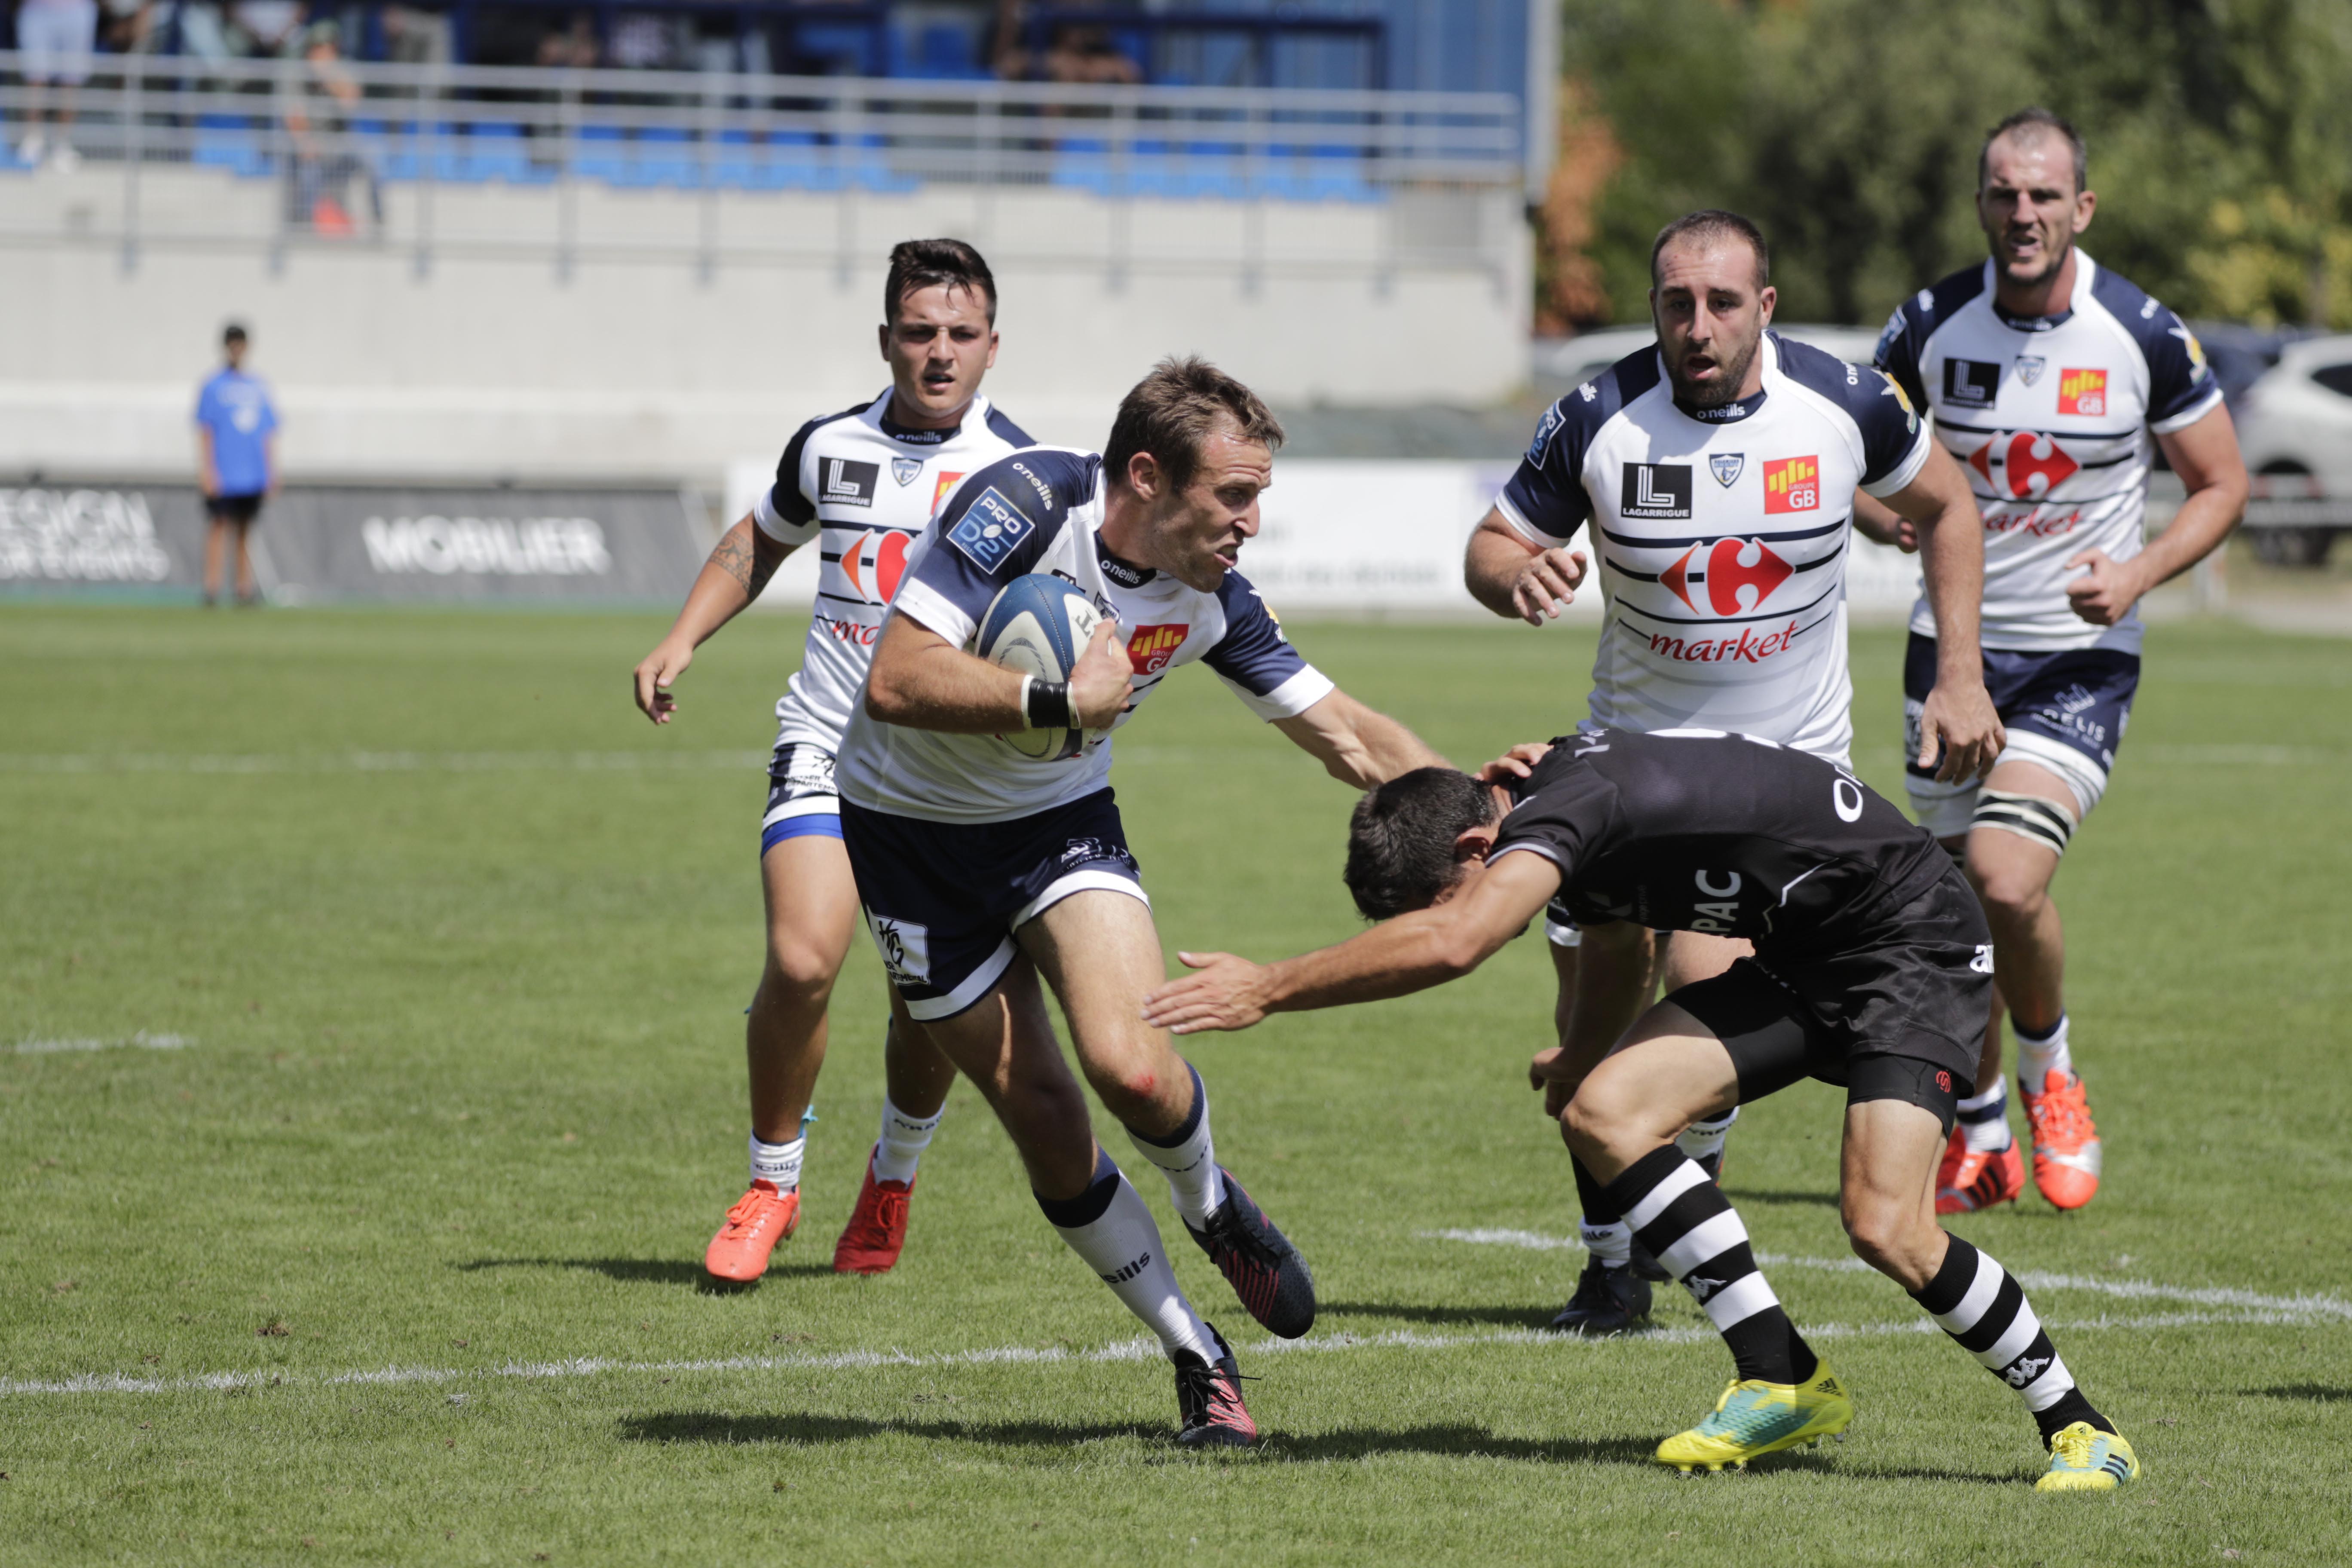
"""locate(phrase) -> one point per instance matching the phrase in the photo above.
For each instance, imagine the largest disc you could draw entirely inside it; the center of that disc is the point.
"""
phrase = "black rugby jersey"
(1698, 830)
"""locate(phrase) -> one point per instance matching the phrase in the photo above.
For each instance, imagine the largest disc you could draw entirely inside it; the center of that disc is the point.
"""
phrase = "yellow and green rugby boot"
(2085, 1459)
(1755, 1417)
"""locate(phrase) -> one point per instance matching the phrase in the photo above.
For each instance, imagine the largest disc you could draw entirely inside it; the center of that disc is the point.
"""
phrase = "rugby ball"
(1039, 625)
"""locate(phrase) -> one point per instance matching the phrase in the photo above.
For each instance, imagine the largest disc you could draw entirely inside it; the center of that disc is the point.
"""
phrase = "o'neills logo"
(1746, 646)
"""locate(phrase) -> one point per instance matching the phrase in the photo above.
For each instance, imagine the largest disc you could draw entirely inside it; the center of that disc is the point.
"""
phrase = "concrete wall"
(691, 330)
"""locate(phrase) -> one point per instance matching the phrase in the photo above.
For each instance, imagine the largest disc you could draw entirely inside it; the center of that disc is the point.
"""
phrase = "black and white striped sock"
(1974, 1299)
(1689, 1225)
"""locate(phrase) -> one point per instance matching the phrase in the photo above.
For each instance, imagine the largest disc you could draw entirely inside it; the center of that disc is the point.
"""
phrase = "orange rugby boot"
(877, 1232)
(760, 1218)
(1970, 1179)
(2065, 1141)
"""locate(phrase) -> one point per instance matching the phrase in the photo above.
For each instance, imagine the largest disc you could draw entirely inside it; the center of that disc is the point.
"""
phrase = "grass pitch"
(370, 1081)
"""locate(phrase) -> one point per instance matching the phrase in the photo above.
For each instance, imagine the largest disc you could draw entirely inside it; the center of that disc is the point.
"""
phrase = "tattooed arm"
(738, 569)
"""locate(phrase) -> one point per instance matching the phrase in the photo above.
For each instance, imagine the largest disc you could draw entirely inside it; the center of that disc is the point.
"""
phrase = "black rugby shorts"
(1900, 1015)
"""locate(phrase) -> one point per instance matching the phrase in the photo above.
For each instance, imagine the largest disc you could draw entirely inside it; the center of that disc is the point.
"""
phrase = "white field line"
(2313, 1307)
(1137, 1350)
(378, 761)
(142, 1040)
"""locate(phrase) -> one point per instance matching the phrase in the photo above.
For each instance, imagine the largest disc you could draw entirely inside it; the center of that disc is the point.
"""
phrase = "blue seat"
(866, 165)
(1083, 164)
(231, 141)
(942, 52)
(501, 152)
(601, 154)
(666, 156)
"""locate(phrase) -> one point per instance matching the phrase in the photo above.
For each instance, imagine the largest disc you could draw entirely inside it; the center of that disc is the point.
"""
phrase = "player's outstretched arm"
(2206, 459)
(1513, 578)
(738, 569)
(921, 680)
(1356, 744)
(1958, 718)
(1411, 953)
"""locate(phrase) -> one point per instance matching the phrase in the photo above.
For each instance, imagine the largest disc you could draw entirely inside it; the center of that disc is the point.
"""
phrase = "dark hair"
(233, 333)
(919, 264)
(1401, 838)
(1176, 408)
(2036, 120)
(1708, 225)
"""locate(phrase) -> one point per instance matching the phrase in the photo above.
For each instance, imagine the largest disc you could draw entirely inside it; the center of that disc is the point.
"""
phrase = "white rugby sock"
(1109, 1226)
(1189, 1160)
(778, 1163)
(1984, 1119)
(1704, 1139)
(904, 1139)
(1612, 1244)
(2039, 1055)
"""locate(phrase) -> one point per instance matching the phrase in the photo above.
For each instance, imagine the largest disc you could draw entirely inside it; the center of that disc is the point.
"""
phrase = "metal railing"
(344, 153)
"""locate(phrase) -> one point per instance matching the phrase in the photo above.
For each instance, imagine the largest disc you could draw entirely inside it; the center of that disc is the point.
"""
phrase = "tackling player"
(1872, 970)
(863, 483)
(982, 869)
(1712, 469)
(2046, 374)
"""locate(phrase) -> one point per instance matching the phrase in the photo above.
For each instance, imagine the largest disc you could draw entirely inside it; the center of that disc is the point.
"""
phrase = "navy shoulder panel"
(1007, 431)
(1916, 319)
(1003, 516)
(1872, 398)
(1547, 492)
(791, 504)
(2178, 379)
(1253, 653)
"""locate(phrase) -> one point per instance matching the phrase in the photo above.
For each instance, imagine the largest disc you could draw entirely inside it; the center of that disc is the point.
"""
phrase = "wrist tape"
(1046, 704)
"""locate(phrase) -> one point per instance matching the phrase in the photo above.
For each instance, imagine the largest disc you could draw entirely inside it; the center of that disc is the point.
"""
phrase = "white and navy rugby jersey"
(1038, 511)
(2051, 416)
(1719, 537)
(869, 487)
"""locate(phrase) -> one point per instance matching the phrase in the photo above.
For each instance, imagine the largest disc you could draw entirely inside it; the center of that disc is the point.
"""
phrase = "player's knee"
(1128, 1086)
(1891, 1237)
(800, 969)
(1041, 1109)
(1599, 1118)
(2011, 892)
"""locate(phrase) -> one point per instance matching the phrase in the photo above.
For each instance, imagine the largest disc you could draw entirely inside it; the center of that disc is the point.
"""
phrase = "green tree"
(2220, 137)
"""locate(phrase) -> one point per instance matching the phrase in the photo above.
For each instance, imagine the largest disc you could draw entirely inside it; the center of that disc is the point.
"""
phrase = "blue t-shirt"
(236, 408)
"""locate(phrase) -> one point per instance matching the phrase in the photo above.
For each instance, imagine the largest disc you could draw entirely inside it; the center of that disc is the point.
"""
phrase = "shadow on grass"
(1457, 1441)
(1509, 1317)
(726, 1430)
(2327, 1394)
(645, 1271)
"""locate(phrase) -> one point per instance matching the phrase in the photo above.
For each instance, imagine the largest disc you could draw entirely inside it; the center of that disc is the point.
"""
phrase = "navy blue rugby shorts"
(943, 898)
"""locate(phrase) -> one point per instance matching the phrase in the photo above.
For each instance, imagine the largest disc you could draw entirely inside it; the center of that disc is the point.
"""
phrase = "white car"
(1558, 363)
(2294, 425)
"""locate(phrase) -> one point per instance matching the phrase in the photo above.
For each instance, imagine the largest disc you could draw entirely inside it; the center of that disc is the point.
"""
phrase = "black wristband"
(1048, 706)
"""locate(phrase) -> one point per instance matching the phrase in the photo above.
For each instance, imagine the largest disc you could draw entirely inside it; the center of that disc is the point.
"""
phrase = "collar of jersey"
(1731, 413)
(2051, 323)
(911, 438)
(1126, 574)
